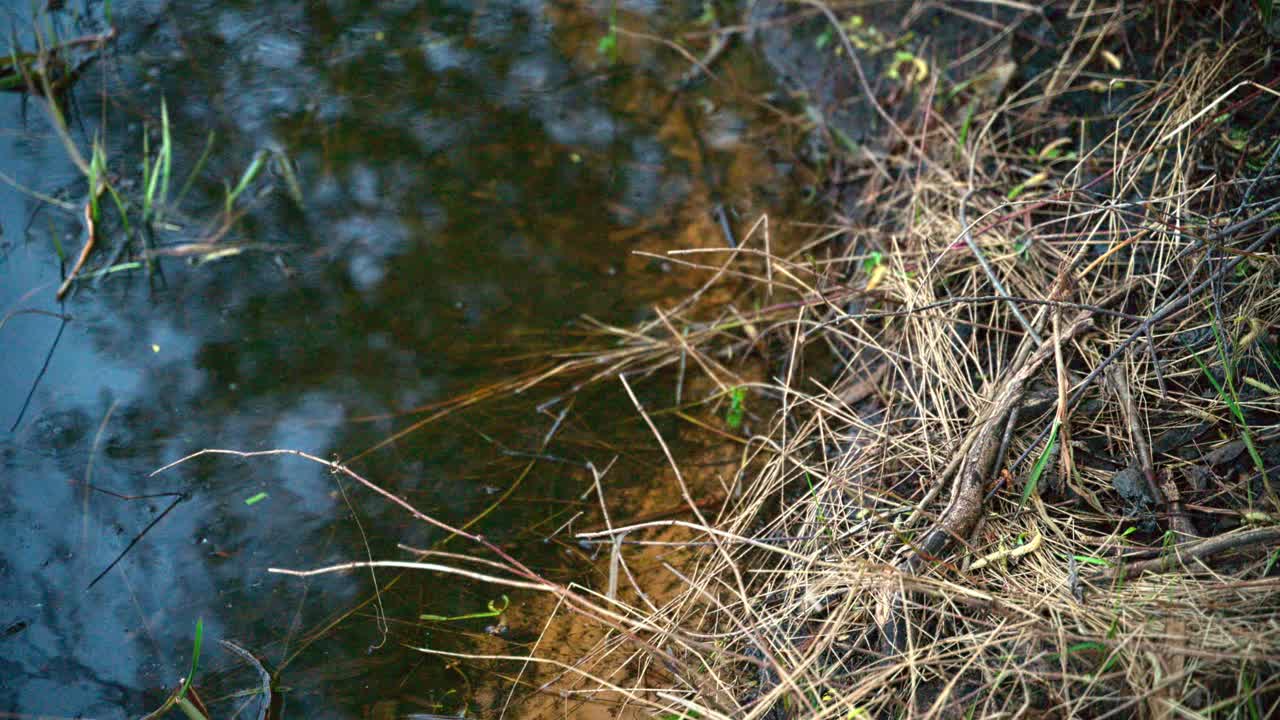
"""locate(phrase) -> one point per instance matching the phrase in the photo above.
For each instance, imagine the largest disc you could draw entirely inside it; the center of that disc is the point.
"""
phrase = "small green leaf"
(733, 418)
(255, 499)
(1091, 560)
(708, 15)
(607, 45)
(872, 261)
(1087, 645)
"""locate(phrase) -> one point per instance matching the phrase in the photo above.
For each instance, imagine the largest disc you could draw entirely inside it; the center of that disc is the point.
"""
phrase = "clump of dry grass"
(989, 487)
(1026, 420)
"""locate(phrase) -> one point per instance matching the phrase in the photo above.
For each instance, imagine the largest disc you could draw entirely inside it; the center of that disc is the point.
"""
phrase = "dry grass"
(884, 556)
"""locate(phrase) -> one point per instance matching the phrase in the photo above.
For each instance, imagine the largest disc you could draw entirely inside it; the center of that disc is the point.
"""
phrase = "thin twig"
(991, 273)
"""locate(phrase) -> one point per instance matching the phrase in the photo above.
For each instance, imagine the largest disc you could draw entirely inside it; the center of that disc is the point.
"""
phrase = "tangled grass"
(1026, 416)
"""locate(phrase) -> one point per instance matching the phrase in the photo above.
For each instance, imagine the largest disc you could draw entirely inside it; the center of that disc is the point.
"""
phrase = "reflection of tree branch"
(263, 675)
(180, 497)
(48, 357)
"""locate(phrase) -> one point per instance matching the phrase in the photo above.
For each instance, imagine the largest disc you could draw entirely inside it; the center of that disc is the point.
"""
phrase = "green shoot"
(1091, 560)
(608, 45)
(822, 516)
(1251, 697)
(1271, 562)
(493, 611)
(155, 178)
(1270, 352)
(208, 145)
(97, 174)
(250, 173)
(733, 418)
(1228, 396)
(166, 150)
(1041, 463)
(148, 181)
(1023, 186)
(121, 267)
(968, 122)
(708, 15)
(57, 248)
(195, 658)
(285, 167)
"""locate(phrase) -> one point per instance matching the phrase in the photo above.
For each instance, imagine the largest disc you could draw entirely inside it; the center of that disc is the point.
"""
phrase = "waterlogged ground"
(446, 189)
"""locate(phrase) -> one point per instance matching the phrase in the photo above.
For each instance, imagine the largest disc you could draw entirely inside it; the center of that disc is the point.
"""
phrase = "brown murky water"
(471, 180)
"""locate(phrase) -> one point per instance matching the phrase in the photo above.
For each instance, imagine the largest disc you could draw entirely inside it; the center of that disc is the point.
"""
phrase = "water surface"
(473, 180)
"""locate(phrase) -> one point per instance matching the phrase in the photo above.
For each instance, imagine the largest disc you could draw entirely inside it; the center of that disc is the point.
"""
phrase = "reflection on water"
(473, 180)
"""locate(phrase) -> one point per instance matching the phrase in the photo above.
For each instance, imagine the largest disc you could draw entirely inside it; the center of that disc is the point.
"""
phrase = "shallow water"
(472, 181)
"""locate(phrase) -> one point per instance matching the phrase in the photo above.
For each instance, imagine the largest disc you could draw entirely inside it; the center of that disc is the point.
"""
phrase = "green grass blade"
(166, 151)
(733, 418)
(120, 207)
(290, 177)
(968, 120)
(149, 176)
(494, 610)
(204, 156)
(195, 658)
(1234, 406)
(250, 173)
(1041, 463)
(97, 170)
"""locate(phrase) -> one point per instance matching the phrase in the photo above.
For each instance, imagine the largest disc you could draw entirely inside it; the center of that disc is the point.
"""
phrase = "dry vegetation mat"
(1024, 454)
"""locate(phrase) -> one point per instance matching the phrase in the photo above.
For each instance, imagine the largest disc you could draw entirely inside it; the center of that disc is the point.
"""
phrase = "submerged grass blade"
(250, 173)
(495, 610)
(195, 172)
(121, 267)
(148, 177)
(97, 172)
(166, 151)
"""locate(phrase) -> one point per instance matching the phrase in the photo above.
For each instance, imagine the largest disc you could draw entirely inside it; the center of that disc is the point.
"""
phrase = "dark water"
(474, 177)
